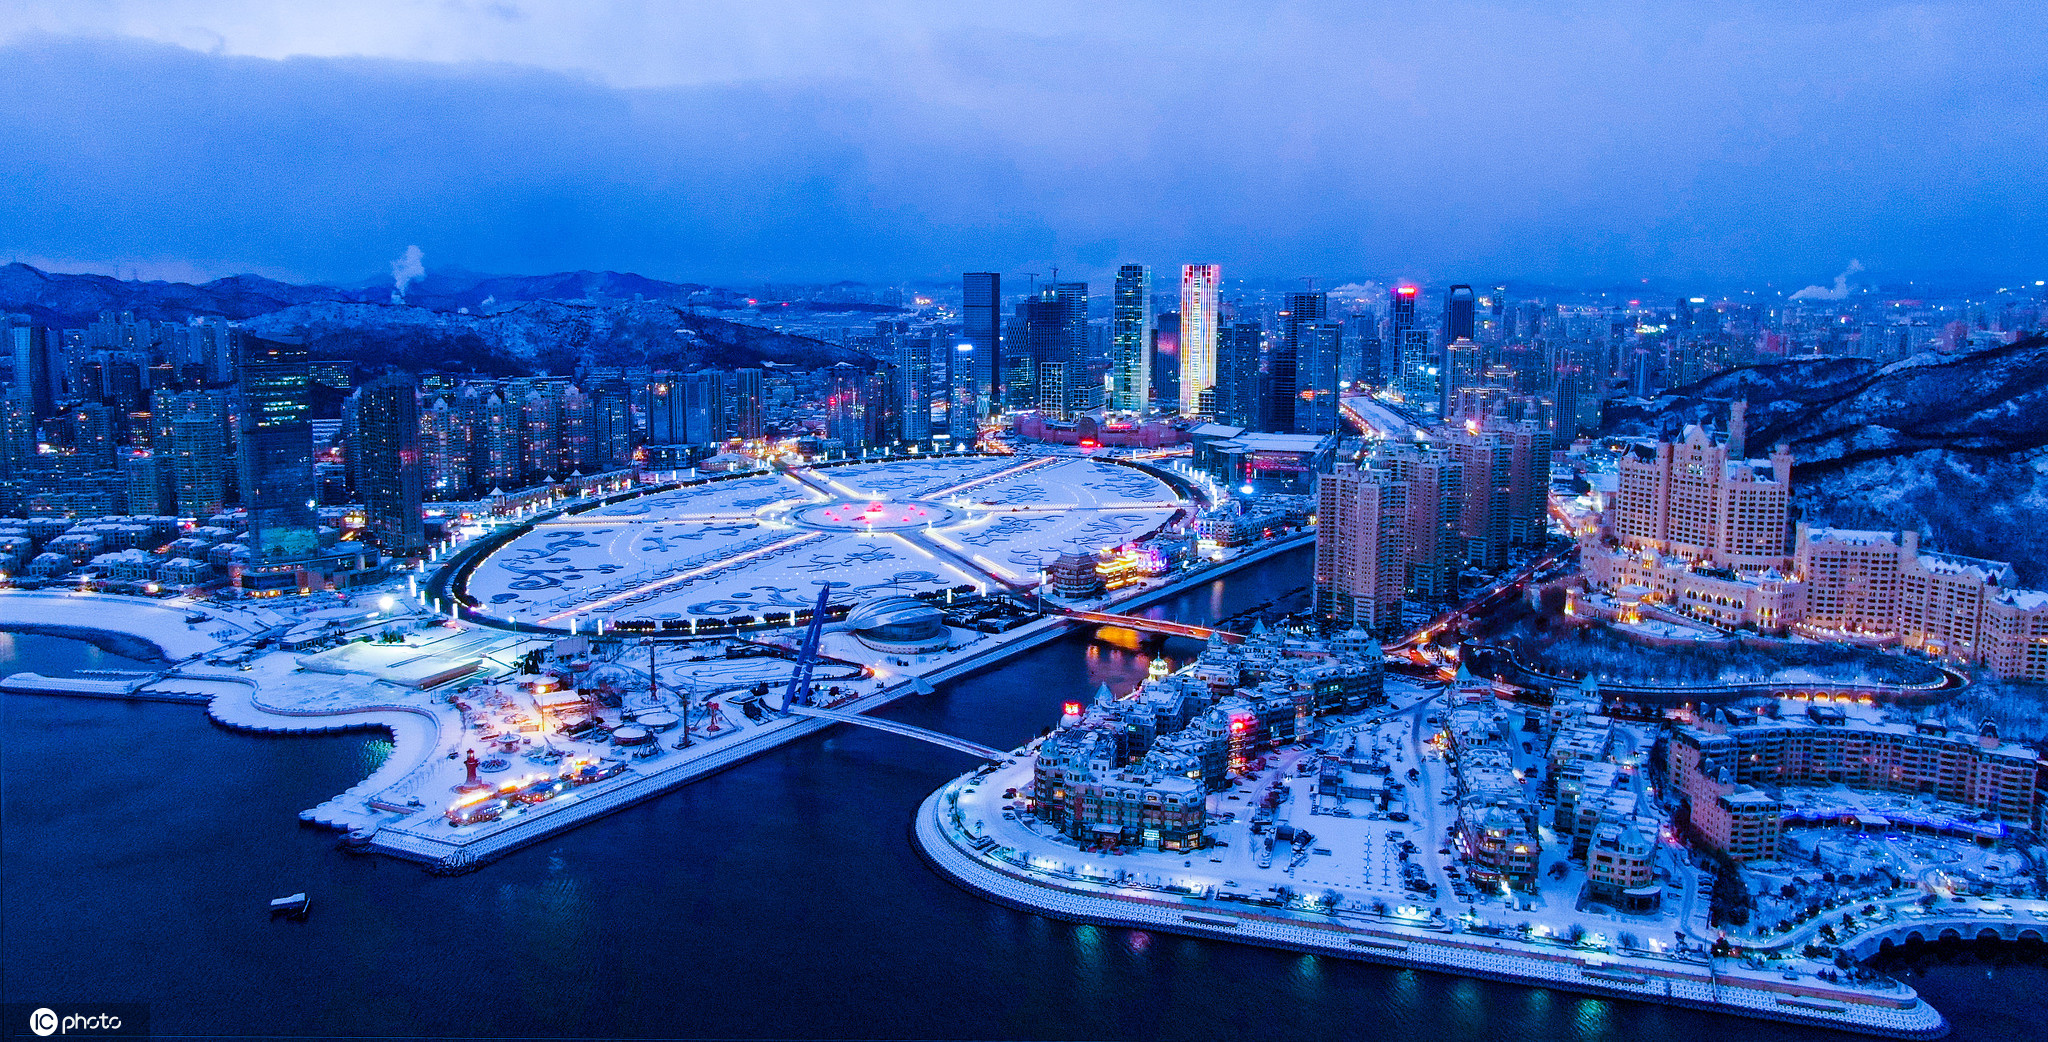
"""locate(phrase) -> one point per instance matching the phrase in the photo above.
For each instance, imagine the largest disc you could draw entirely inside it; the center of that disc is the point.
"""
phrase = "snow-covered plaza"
(759, 545)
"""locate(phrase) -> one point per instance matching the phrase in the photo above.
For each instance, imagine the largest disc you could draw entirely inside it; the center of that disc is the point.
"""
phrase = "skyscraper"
(1131, 343)
(277, 449)
(1407, 342)
(1361, 564)
(981, 324)
(701, 417)
(444, 445)
(747, 400)
(1458, 313)
(913, 386)
(35, 375)
(1198, 324)
(388, 425)
(1460, 369)
(1082, 394)
(1241, 389)
(1305, 312)
(1315, 404)
(1166, 358)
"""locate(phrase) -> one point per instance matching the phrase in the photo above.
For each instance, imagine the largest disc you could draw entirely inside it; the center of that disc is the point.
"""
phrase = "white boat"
(295, 905)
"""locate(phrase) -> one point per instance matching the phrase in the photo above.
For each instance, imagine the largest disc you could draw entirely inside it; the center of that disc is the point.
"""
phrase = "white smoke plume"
(404, 270)
(1839, 291)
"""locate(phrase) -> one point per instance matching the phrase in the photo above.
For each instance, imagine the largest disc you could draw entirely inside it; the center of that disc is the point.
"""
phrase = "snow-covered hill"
(1951, 445)
(450, 321)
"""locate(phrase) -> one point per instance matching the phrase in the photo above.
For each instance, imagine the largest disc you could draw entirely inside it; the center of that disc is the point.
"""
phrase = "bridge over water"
(1163, 626)
(906, 730)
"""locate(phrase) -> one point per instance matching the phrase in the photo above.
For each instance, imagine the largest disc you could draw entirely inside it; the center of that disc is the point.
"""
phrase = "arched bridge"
(906, 730)
(1930, 929)
(1139, 622)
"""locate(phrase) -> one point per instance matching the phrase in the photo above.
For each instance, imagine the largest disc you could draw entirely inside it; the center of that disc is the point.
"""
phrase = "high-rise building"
(193, 460)
(1319, 355)
(1242, 399)
(276, 452)
(981, 324)
(1459, 313)
(1166, 359)
(540, 431)
(579, 430)
(1461, 369)
(1408, 344)
(702, 415)
(1130, 370)
(612, 433)
(845, 411)
(36, 377)
(388, 441)
(1304, 313)
(1361, 564)
(1436, 485)
(1083, 384)
(1700, 500)
(1199, 322)
(963, 413)
(147, 492)
(495, 442)
(1047, 348)
(747, 399)
(1507, 480)
(913, 386)
(444, 449)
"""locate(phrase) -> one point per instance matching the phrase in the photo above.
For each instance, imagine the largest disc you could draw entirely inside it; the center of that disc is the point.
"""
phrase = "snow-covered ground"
(762, 544)
(163, 624)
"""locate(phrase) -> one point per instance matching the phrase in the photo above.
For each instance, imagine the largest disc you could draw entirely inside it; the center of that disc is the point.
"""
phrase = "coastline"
(126, 645)
(271, 700)
(1438, 950)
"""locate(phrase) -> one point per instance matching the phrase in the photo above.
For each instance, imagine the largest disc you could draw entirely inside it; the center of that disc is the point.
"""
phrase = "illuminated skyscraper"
(1198, 325)
(1305, 312)
(388, 420)
(1315, 400)
(1131, 340)
(277, 450)
(914, 386)
(981, 324)
(1409, 344)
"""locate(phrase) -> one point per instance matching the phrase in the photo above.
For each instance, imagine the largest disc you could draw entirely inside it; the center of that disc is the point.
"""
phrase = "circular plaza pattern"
(757, 547)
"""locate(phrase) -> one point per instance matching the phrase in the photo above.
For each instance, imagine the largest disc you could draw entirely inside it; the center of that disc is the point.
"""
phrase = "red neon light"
(1071, 709)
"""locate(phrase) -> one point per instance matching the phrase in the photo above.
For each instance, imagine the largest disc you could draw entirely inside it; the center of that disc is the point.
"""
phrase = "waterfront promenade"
(1720, 985)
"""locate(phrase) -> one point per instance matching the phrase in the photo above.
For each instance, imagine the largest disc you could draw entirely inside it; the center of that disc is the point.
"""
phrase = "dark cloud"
(1740, 142)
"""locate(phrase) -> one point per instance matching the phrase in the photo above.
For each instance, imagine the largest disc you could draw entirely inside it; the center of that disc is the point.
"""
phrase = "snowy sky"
(728, 141)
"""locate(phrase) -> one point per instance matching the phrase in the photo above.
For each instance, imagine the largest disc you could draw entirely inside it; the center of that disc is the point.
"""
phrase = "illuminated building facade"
(1199, 321)
(1131, 331)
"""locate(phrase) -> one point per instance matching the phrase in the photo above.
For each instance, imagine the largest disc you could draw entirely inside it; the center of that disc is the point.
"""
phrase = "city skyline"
(1696, 143)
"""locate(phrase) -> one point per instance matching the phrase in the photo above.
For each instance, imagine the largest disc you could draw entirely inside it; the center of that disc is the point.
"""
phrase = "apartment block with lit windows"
(1716, 764)
(1362, 552)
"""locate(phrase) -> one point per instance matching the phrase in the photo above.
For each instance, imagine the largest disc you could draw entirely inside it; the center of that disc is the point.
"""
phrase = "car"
(1397, 815)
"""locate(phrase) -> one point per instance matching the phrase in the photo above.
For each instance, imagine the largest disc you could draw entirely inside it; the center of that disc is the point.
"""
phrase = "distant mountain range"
(455, 320)
(1955, 446)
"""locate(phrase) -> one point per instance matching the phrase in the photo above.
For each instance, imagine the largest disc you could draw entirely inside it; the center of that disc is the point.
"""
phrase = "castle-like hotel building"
(1695, 528)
